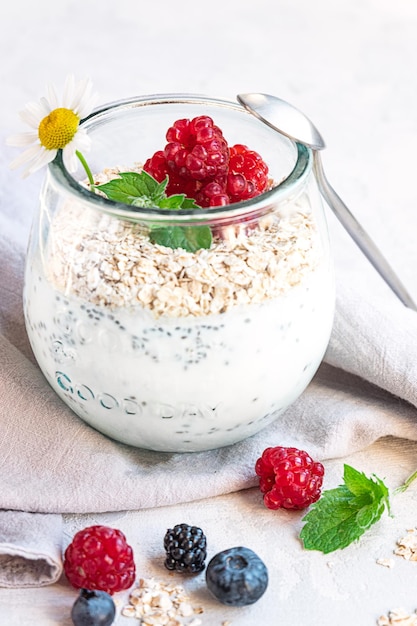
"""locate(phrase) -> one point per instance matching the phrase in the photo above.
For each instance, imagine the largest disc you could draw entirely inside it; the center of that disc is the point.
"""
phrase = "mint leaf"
(355, 481)
(133, 185)
(190, 238)
(178, 201)
(142, 190)
(343, 514)
(359, 484)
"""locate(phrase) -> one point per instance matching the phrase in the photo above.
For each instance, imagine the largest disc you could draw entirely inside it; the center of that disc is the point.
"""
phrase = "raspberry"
(157, 166)
(237, 576)
(248, 174)
(289, 478)
(196, 151)
(198, 163)
(185, 548)
(100, 558)
(212, 194)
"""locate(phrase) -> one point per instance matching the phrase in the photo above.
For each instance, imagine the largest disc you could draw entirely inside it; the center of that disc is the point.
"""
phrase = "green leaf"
(358, 484)
(178, 201)
(343, 514)
(189, 203)
(142, 190)
(355, 481)
(190, 238)
(129, 186)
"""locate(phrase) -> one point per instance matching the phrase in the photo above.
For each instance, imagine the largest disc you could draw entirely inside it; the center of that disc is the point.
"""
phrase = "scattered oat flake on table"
(398, 617)
(156, 603)
(407, 546)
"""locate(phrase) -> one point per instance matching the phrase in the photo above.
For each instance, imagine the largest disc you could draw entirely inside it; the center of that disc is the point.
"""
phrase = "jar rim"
(294, 179)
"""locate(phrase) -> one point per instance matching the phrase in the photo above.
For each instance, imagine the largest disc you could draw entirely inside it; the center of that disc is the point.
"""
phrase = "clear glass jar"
(166, 349)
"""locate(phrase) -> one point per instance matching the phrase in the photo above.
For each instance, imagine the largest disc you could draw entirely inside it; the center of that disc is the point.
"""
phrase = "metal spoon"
(289, 121)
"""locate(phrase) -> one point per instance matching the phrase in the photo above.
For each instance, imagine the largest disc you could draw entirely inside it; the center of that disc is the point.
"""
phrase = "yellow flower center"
(58, 128)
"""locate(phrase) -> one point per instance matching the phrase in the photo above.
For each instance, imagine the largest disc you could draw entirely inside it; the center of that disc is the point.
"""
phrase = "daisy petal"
(81, 141)
(87, 107)
(70, 157)
(43, 107)
(40, 108)
(22, 139)
(43, 158)
(52, 98)
(27, 155)
(69, 89)
(32, 114)
(84, 100)
(79, 90)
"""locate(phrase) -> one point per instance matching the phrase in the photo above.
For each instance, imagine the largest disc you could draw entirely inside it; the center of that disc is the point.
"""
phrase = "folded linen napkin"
(52, 463)
(30, 549)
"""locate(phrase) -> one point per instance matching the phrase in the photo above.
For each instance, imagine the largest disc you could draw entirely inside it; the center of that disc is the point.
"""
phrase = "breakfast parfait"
(181, 297)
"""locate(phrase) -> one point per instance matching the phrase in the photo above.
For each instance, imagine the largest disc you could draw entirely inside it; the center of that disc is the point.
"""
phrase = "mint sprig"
(142, 190)
(189, 238)
(137, 189)
(344, 514)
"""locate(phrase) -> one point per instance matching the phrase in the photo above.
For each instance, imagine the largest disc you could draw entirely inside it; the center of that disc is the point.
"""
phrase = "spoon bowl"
(283, 117)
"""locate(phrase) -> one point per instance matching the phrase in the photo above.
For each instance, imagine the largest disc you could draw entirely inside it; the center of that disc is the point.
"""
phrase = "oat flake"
(156, 603)
(398, 617)
(407, 546)
(111, 262)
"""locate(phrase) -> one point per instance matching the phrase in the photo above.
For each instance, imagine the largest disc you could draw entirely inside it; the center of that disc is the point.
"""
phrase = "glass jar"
(162, 348)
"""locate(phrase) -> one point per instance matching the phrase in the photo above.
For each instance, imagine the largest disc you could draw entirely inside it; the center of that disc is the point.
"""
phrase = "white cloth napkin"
(30, 549)
(52, 462)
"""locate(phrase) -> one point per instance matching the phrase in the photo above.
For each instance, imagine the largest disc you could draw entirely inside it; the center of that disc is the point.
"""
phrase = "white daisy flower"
(55, 125)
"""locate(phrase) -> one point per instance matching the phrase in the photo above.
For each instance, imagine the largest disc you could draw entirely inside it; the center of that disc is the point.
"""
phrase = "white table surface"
(306, 588)
(351, 67)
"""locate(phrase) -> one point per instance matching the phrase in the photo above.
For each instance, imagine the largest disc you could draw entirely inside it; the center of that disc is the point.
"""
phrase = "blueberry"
(237, 577)
(93, 608)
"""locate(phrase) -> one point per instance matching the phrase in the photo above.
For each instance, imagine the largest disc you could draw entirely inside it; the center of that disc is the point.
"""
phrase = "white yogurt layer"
(196, 380)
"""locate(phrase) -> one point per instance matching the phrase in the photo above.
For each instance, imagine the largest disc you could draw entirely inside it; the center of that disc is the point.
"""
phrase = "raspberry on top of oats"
(199, 163)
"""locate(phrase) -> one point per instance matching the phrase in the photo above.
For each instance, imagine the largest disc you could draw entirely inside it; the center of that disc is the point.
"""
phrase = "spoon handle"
(359, 235)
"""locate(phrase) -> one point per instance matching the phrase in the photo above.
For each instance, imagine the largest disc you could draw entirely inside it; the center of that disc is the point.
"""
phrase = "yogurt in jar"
(176, 351)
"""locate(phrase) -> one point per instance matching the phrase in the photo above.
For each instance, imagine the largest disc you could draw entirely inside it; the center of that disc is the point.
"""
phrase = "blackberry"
(185, 548)
(93, 608)
(237, 577)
